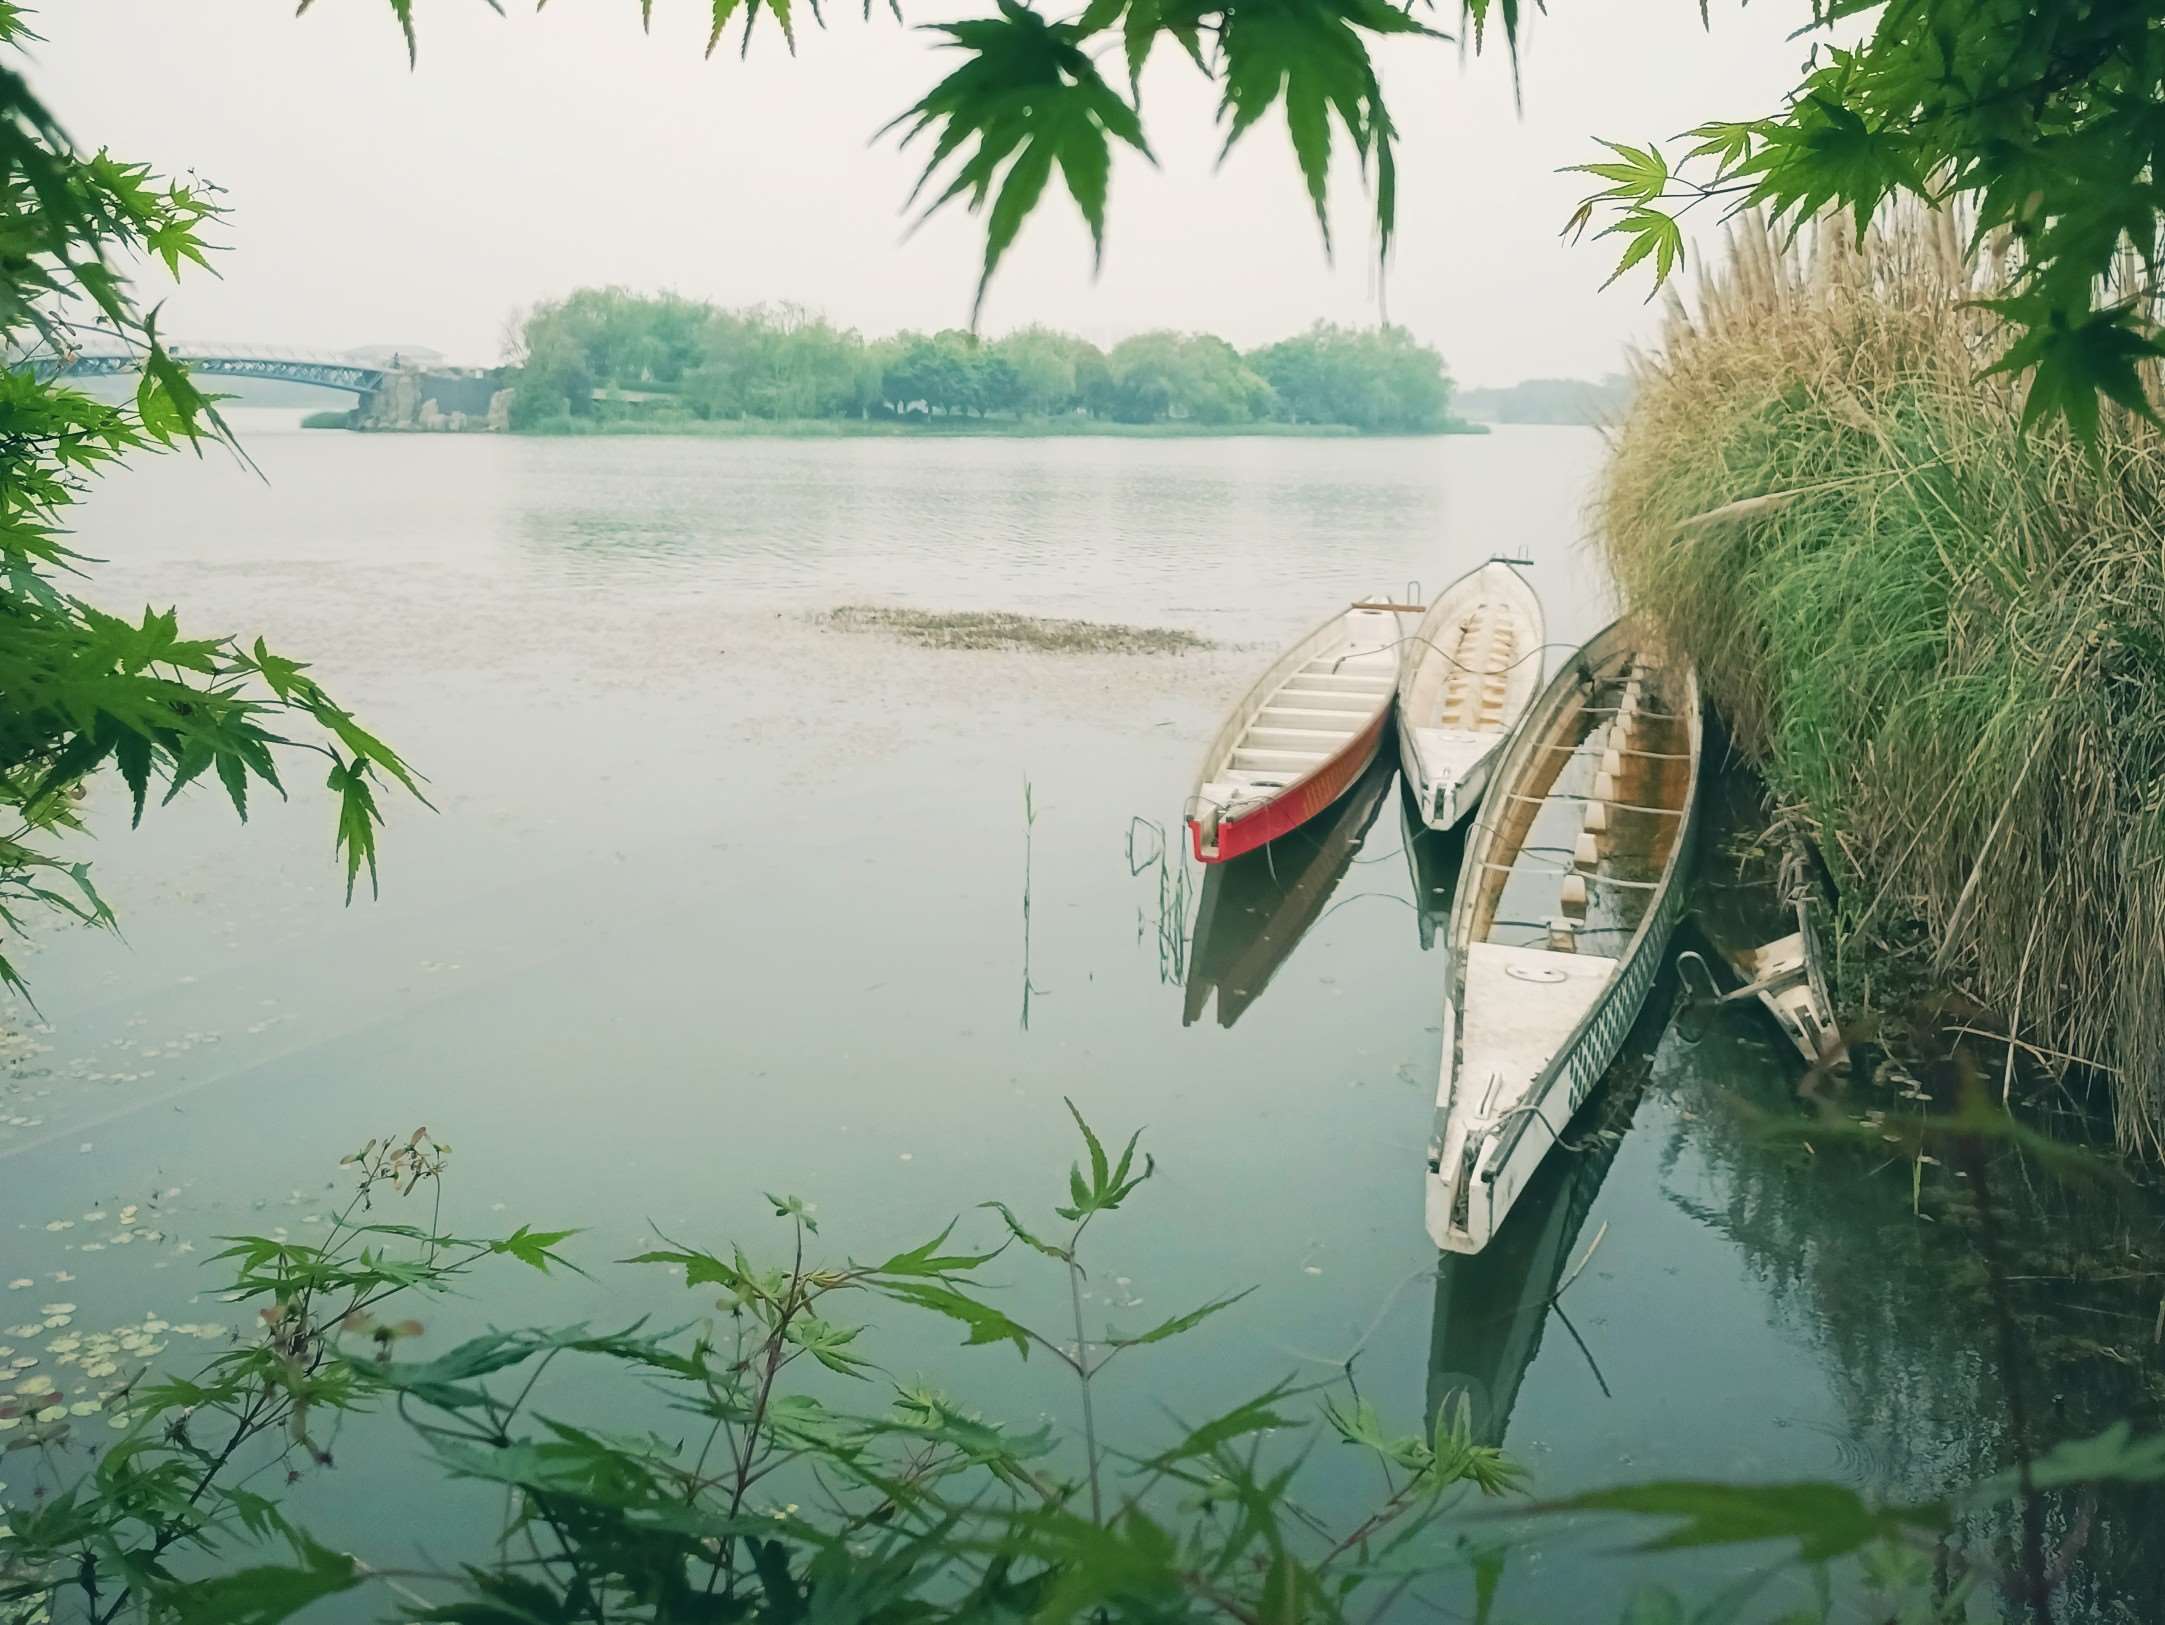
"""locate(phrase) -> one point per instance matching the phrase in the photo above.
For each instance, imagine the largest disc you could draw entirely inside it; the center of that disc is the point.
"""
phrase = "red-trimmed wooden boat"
(1302, 736)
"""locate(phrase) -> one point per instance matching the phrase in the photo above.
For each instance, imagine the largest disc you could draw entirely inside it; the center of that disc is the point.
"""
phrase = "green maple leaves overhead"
(86, 689)
(1030, 98)
(2042, 122)
(1033, 97)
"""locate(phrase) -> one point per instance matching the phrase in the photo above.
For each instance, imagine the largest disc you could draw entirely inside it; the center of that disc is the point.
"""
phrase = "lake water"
(720, 900)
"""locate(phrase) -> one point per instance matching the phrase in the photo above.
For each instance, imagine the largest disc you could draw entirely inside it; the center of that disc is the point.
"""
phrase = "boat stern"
(1457, 1213)
(1195, 837)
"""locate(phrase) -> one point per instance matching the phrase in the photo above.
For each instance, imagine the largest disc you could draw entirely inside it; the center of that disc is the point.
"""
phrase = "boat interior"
(1577, 851)
(1469, 687)
(1305, 712)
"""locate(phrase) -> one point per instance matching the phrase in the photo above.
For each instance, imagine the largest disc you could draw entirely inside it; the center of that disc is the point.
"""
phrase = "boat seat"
(1325, 699)
(1779, 958)
(1261, 759)
(1233, 795)
(1322, 675)
(1341, 723)
(1263, 736)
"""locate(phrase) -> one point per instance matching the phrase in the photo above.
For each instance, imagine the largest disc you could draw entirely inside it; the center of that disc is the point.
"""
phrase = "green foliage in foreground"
(757, 1464)
(82, 689)
(606, 352)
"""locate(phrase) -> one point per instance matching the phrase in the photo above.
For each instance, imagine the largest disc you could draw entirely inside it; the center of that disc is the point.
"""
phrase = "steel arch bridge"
(327, 369)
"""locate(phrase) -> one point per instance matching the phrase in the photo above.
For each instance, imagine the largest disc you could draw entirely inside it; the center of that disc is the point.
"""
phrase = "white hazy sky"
(529, 154)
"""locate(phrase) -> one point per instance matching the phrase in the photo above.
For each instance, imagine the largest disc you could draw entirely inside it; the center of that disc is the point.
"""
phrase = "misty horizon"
(527, 156)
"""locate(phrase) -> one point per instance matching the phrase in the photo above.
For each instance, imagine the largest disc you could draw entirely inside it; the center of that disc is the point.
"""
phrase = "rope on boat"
(1617, 711)
(1583, 874)
(1623, 750)
(1591, 801)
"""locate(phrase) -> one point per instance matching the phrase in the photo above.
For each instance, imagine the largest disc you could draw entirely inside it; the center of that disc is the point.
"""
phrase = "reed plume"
(1941, 638)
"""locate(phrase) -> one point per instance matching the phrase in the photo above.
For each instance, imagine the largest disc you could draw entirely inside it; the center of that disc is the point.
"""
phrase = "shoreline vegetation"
(1584, 402)
(919, 427)
(1939, 634)
(609, 356)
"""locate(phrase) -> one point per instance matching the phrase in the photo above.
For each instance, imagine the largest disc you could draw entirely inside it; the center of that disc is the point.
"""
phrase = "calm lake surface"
(721, 900)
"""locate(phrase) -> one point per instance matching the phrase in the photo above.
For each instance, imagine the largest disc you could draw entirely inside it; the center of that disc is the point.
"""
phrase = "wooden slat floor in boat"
(1477, 679)
(1312, 716)
(1643, 801)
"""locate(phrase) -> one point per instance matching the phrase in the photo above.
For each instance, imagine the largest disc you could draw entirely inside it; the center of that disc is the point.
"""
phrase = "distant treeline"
(1550, 400)
(606, 352)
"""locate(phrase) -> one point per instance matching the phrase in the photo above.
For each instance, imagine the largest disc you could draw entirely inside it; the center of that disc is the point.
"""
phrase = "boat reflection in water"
(1433, 860)
(1493, 1306)
(1256, 908)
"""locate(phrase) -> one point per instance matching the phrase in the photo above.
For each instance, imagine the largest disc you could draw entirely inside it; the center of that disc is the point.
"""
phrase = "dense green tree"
(1192, 377)
(1046, 367)
(1380, 379)
(936, 374)
(782, 362)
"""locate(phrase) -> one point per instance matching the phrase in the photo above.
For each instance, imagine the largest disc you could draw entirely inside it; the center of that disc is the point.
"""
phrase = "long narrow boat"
(1565, 905)
(1473, 666)
(1301, 736)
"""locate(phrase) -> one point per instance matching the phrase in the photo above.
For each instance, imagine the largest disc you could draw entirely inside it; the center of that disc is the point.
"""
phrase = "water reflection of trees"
(1889, 1265)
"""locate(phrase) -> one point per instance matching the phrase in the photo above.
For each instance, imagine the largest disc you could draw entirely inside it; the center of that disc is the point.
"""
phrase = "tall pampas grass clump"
(1943, 640)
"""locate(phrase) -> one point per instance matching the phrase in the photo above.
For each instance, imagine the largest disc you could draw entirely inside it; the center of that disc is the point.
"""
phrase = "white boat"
(1301, 737)
(1472, 667)
(1737, 913)
(1565, 905)
(1787, 978)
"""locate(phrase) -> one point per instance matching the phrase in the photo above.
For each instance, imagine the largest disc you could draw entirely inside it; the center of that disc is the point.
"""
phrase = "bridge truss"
(326, 369)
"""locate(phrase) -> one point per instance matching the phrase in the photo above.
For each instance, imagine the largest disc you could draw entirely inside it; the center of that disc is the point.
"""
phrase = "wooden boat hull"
(1492, 1307)
(1448, 760)
(1310, 798)
(1254, 913)
(1300, 738)
(1504, 1101)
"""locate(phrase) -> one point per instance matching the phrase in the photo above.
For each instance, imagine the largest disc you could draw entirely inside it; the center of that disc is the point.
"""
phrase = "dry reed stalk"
(1944, 641)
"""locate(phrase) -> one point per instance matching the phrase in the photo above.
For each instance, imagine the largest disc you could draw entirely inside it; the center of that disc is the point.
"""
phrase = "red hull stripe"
(1298, 802)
